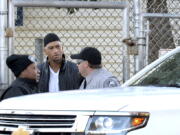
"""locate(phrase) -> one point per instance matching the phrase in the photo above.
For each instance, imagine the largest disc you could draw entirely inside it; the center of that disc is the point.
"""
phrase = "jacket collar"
(63, 63)
(26, 80)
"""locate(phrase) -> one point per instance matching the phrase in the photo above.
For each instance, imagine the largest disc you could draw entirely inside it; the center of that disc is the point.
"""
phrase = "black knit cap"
(91, 54)
(18, 63)
(50, 37)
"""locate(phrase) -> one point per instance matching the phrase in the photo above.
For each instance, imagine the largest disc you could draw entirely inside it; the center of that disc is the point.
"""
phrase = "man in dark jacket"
(25, 70)
(57, 74)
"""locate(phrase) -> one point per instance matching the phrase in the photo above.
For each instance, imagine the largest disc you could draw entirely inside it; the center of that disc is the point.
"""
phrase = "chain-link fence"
(77, 28)
(102, 28)
(161, 26)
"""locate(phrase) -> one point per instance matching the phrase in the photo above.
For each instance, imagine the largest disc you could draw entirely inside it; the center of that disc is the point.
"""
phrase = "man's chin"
(57, 60)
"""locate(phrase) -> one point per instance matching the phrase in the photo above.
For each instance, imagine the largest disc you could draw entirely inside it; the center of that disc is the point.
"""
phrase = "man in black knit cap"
(25, 70)
(57, 74)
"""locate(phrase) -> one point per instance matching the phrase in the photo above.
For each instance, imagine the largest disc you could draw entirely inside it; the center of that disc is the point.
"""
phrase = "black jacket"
(69, 77)
(19, 87)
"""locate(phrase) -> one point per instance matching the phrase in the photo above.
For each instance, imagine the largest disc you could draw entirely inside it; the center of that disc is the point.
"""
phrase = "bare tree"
(160, 29)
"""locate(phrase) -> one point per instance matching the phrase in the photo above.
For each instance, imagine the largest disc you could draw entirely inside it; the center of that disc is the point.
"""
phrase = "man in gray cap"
(25, 70)
(90, 67)
(57, 74)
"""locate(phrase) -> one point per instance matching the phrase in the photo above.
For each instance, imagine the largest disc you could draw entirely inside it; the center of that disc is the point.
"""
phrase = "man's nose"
(56, 50)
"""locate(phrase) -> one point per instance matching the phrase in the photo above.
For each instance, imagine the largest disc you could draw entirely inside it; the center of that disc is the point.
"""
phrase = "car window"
(166, 73)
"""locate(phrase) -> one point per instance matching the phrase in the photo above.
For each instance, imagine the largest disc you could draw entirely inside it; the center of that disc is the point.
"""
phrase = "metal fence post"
(139, 35)
(136, 23)
(3, 44)
(126, 63)
(141, 43)
(10, 39)
(39, 50)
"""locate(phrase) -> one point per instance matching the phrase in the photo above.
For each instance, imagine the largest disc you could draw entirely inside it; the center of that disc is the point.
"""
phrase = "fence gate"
(162, 34)
(161, 29)
(78, 24)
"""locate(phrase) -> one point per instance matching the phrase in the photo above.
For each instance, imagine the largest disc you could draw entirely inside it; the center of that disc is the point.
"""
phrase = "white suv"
(152, 109)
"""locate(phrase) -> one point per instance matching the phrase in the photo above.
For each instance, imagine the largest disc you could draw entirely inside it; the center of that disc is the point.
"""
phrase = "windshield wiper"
(174, 85)
(177, 85)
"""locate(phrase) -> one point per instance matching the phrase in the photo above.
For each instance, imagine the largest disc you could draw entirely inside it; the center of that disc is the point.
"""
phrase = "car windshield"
(165, 74)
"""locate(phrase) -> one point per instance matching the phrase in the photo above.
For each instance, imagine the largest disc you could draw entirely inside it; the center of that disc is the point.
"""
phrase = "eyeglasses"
(79, 61)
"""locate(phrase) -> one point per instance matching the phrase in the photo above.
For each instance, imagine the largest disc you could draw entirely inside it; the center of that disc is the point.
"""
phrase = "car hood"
(112, 99)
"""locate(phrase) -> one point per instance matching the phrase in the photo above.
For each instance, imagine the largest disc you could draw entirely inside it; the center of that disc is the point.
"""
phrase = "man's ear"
(86, 64)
